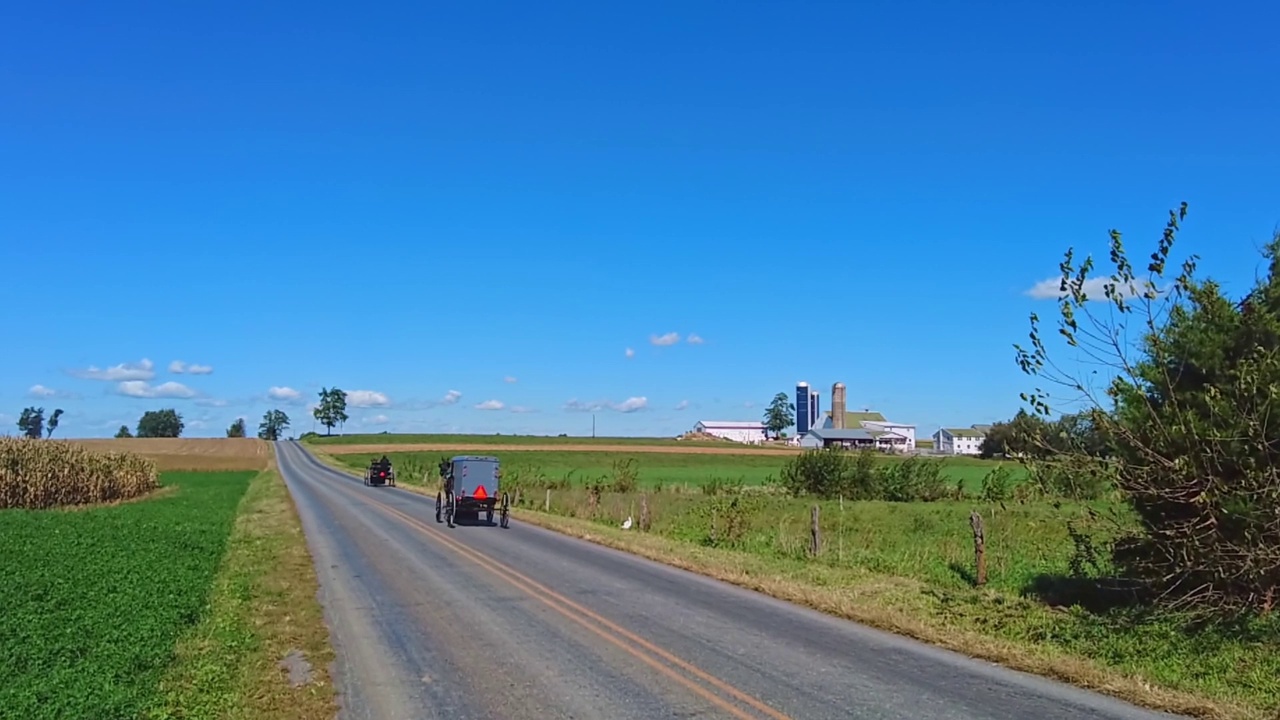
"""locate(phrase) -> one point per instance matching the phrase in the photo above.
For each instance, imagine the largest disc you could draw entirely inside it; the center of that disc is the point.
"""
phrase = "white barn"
(959, 441)
(750, 432)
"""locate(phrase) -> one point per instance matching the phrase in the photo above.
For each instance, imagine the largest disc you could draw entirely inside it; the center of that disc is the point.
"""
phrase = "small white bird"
(626, 525)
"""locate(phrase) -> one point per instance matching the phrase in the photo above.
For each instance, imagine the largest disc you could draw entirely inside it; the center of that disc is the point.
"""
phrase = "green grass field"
(911, 565)
(652, 469)
(95, 599)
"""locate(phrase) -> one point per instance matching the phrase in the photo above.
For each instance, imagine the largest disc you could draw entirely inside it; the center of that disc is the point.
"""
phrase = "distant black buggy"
(469, 486)
(380, 473)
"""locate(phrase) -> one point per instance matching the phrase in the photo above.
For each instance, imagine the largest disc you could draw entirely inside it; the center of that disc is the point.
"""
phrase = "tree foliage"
(1185, 418)
(273, 425)
(332, 409)
(123, 432)
(53, 422)
(31, 422)
(165, 423)
(780, 415)
(237, 429)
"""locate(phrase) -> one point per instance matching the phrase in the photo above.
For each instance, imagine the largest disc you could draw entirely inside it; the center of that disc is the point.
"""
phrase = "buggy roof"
(479, 458)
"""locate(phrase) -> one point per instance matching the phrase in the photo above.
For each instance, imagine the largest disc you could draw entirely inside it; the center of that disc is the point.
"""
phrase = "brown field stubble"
(191, 453)
(39, 474)
(480, 447)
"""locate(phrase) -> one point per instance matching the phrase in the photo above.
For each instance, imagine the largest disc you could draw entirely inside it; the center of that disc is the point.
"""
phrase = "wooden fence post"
(547, 507)
(815, 533)
(979, 547)
(644, 513)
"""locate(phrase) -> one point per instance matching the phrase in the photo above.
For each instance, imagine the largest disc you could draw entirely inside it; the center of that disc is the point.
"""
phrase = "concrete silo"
(837, 406)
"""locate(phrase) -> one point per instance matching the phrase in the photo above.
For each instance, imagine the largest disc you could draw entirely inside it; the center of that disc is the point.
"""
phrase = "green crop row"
(95, 599)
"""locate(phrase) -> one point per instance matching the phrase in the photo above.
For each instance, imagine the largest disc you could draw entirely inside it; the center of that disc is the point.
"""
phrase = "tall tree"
(273, 425)
(31, 422)
(165, 423)
(780, 415)
(123, 432)
(53, 423)
(1185, 418)
(237, 429)
(332, 409)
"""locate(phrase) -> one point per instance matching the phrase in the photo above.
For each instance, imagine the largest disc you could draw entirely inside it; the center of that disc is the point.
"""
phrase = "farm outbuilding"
(855, 438)
(738, 431)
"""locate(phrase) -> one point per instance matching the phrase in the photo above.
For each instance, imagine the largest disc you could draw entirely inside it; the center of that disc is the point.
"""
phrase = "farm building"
(901, 435)
(750, 432)
(856, 438)
(960, 441)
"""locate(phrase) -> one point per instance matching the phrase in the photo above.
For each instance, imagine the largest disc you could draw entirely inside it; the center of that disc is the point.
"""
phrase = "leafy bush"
(912, 480)
(38, 474)
(1186, 423)
(997, 485)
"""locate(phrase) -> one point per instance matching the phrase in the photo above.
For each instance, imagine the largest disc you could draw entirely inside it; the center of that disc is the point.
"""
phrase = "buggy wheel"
(438, 504)
(505, 517)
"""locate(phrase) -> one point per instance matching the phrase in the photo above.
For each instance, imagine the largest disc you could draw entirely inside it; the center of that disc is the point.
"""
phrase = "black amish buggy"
(469, 487)
(380, 473)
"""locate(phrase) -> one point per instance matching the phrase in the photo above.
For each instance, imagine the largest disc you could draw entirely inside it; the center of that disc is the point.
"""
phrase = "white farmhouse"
(959, 441)
(751, 432)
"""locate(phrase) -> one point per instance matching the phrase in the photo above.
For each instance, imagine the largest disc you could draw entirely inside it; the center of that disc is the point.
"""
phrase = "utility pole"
(593, 426)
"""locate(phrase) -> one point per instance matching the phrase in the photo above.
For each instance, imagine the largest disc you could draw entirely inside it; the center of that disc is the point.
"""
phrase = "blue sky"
(516, 202)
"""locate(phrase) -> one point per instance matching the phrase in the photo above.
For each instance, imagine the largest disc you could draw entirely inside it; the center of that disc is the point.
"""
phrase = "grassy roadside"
(261, 649)
(971, 622)
(902, 571)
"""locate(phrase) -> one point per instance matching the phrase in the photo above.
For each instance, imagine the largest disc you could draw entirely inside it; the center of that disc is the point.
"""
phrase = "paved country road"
(486, 622)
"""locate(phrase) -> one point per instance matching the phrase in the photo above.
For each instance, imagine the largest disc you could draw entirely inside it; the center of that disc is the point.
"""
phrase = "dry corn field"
(205, 454)
(38, 474)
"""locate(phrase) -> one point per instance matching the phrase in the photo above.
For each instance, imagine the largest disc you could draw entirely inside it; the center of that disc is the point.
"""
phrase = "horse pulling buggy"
(380, 473)
(469, 487)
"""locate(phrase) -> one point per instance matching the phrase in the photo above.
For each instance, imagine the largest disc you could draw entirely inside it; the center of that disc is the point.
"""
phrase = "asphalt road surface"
(487, 622)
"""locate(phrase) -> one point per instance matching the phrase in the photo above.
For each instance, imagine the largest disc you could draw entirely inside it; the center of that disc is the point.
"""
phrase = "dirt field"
(475, 447)
(192, 453)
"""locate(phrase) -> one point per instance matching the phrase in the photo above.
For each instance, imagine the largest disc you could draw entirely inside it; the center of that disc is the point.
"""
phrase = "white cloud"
(41, 391)
(670, 338)
(144, 370)
(377, 420)
(284, 394)
(629, 405)
(509, 379)
(210, 402)
(576, 405)
(682, 405)
(522, 409)
(450, 397)
(694, 339)
(631, 353)
(1094, 288)
(490, 405)
(140, 389)
(367, 398)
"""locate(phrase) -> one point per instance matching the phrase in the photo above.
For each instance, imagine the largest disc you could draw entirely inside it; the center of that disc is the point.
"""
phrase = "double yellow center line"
(634, 645)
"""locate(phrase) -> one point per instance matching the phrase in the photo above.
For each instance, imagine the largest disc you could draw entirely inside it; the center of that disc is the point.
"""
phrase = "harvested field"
(586, 448)
(191, 453)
